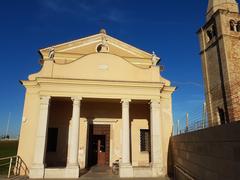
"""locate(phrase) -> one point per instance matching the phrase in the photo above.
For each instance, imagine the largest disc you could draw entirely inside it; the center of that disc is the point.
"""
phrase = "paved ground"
(101, 173)
(106, 173)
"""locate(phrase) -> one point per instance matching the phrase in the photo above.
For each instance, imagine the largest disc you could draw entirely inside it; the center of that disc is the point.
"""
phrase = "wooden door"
(101, 152)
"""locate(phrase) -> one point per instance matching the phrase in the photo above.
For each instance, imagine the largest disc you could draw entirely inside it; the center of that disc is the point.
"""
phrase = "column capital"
(76, 100)
(155, 103)
(44, 100)
(125, 100)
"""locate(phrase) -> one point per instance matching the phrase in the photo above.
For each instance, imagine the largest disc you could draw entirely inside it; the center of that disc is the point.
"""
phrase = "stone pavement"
(102, 173)
(106, 173)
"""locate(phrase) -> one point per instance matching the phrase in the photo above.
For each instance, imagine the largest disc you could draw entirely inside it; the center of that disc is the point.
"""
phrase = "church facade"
(94, 101)
(220, 54)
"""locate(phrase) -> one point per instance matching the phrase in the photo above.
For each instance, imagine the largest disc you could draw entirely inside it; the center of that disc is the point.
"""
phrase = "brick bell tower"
(220, 55)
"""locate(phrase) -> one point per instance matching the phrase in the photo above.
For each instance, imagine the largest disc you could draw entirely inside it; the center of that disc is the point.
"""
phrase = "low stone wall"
(207, 154)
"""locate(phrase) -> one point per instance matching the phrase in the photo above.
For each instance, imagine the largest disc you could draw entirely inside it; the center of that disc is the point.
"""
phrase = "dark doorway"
(221, 115)
(52, 139)
(98, 147)
(60, 112)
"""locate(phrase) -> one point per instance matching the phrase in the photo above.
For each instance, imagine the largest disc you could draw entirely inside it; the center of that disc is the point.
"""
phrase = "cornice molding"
(93, 82)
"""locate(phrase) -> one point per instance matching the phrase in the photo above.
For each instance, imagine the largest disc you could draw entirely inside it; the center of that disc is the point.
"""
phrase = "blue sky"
(166, 27)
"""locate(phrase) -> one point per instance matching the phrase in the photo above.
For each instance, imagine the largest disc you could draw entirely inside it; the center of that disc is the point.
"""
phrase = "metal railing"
(12, 167)
(197, 125)
(218, 110)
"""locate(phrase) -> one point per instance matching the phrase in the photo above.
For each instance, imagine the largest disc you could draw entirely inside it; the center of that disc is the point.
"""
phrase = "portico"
(72, 165)
(114, 102)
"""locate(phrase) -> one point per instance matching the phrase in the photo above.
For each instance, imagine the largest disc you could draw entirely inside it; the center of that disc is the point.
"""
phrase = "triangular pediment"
(74, 50)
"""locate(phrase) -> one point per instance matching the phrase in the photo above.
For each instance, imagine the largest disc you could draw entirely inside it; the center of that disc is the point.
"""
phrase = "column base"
(60, 173)
(157, 170)
(125, 170)
(36, 171)
(72, 171)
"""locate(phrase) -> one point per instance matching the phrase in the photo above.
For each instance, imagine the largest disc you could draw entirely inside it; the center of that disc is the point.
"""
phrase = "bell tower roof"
(214, 5)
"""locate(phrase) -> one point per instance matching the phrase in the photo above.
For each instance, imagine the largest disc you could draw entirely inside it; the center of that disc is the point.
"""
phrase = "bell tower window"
(211, 32)
(238, 26)
(232, 25)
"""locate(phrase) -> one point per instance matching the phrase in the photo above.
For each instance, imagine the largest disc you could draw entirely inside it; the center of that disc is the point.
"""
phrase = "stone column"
(72, 160)
(37, 169)
(125, 165)
(156, 144)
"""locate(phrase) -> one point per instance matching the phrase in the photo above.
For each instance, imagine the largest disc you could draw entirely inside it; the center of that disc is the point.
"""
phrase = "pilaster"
(156, 144)
(37, 168)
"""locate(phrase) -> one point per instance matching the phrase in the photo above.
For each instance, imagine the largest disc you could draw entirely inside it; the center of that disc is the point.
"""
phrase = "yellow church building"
(94, 101)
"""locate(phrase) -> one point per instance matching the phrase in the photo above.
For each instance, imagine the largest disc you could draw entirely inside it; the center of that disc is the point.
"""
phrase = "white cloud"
(88, 10)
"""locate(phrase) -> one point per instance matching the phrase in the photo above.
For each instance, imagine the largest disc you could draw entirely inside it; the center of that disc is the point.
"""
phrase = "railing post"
(178, 123)
(17, 166)
(10, 167)
(187, 120)
(204, 115)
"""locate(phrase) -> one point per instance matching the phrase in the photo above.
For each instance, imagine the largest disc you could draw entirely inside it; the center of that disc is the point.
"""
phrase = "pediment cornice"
(74, 50)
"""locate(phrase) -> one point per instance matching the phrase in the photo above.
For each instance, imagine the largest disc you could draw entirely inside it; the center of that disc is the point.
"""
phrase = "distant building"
(220, 54)
(96, 100)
